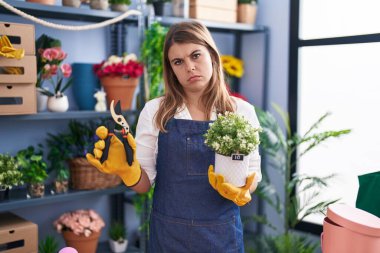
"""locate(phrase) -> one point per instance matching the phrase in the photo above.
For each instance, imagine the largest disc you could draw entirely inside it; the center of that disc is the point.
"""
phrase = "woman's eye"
(196, 55)
(177, 62)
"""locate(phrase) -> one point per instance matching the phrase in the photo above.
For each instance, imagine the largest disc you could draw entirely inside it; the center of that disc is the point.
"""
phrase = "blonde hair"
(214, 96)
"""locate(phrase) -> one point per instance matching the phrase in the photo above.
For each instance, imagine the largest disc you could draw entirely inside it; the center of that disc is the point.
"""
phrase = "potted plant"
(52, 70)
(120, 76)
(119, 5)
(118, 237)
(58, 166)
(81, 229)
(33, 168)
(232, 138)
(152, 55)
(280, 148)
(9, 175)
(159, 6)
(48, 245)
(70, 147)
(246, 12)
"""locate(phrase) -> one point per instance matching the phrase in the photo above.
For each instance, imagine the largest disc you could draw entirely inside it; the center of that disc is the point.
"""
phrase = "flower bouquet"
(232, 138)
(119, 77)
(81, 229)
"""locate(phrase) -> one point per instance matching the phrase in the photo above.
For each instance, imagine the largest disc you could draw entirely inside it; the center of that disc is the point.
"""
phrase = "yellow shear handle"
(8, 51)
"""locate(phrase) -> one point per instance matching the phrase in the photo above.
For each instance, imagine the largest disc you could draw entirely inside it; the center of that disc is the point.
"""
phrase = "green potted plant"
(152, 55)
(232, 138)
(48, 245)
(33, 168)
(281, 148)
(57, 166)
(119, 5)
(117, 237)
(247, 11)
(9, 175)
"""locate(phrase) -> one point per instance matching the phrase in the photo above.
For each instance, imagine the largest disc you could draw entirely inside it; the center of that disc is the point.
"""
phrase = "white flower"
(113, 59)
(129, 57)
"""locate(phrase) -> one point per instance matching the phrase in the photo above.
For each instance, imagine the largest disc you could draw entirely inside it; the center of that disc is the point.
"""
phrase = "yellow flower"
(232, 65)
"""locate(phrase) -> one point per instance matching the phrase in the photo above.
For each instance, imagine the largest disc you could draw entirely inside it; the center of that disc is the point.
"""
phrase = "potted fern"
(118, 237)
(33, 168)
(9, 175)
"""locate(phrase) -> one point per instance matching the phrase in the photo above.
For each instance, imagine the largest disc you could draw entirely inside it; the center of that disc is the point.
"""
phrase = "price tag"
(237, 157)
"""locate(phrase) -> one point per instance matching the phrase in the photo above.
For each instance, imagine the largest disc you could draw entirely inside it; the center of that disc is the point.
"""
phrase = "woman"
(194, 210)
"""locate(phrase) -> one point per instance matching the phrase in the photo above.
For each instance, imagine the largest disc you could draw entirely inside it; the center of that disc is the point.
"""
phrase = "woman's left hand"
(239, 195)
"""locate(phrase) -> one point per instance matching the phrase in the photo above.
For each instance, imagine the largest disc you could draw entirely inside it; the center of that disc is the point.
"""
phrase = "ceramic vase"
(85, 83)
(58, 103)
(117, 247)
(234, 168)
(119, 88)
(80, 242)
(41, 101)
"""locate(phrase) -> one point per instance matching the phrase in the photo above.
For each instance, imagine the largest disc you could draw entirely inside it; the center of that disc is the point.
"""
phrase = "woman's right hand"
(116, 162)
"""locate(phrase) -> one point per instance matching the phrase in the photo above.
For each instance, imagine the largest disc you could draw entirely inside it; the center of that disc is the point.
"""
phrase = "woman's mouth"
(194, 78)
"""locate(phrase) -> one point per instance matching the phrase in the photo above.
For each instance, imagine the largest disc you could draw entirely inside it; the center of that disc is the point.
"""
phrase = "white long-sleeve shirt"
(147, 136)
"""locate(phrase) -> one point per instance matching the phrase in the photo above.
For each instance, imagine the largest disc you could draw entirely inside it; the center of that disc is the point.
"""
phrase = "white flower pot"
(235, 172)
(41, 102)
(117, 247)
(58, 103)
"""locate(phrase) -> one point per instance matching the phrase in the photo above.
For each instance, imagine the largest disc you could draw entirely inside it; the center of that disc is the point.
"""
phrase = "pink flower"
(66, 70)
(80, 222)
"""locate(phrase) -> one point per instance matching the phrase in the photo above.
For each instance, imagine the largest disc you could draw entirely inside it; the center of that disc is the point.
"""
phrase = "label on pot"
(237, 157)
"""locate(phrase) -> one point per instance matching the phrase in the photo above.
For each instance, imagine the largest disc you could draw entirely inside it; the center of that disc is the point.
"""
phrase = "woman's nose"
(190, 66)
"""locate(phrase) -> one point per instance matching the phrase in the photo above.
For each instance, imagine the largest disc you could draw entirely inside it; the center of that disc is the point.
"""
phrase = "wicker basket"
(84, 176)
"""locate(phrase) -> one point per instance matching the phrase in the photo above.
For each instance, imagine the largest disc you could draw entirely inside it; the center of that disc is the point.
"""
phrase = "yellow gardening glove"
(7, 50)
(116, 162)
(239, 195)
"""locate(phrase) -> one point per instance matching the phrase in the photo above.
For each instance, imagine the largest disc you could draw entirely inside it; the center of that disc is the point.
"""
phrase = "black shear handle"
(128, 151)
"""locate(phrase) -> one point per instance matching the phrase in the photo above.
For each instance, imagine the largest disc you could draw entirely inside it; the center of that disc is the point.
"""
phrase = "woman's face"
(192, 66)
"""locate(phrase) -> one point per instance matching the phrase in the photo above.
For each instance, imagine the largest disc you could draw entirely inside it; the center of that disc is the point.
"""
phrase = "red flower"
(126, 66)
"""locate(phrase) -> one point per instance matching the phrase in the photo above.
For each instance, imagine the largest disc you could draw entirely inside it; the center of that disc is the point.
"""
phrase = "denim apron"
(188, 215)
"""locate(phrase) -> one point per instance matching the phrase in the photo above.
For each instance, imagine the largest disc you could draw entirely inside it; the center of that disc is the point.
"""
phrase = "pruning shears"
(119, 119)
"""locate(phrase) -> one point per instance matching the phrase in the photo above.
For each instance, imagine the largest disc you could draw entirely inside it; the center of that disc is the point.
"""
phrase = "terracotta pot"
(119, 7)
(82, 243)
(99, 4)
(247, 13)
(119, 88)
(71, 3)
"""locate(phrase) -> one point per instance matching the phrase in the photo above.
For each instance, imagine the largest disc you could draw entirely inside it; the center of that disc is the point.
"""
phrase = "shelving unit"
(118, 33)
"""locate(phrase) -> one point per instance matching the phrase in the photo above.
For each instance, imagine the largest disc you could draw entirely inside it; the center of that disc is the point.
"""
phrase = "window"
(334, 67)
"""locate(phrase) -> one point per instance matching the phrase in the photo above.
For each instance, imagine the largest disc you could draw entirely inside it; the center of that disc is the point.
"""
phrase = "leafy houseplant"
(232, 137)
(281, 149)
(118, 237)
(152, 55)
(33, 168)
(48, 245)
(120, 76)
(9, 174)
